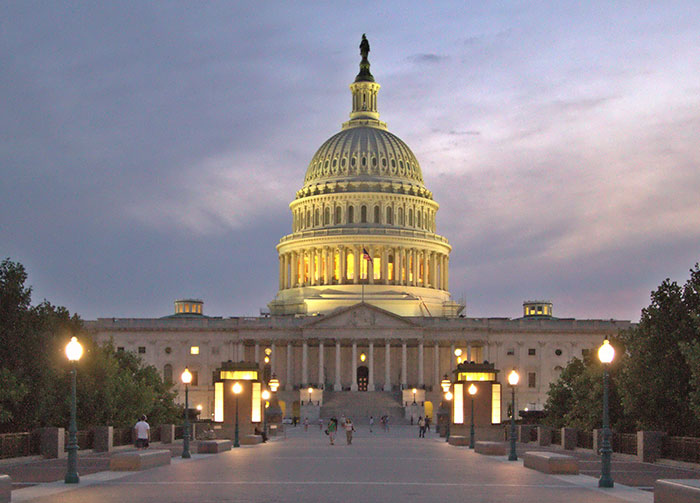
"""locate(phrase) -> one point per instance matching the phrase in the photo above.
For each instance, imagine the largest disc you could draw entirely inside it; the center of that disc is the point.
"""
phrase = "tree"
(113, 388)
(657, 380)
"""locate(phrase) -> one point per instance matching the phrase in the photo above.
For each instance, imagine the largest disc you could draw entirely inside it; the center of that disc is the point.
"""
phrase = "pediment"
(361, 316)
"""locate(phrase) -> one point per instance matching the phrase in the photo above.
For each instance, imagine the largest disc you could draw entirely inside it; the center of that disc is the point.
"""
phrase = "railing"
(178, 431)
(123, 436)
(14, 445)
(624, 443)
(681, 449)
(556, 436)
(584, 439)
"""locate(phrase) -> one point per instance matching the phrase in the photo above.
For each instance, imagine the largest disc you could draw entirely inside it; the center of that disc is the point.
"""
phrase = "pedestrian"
(421, 427)
(332, 428)
(143, 433)
(427, 424)
(349, 428)
(306, 424)
(320, 423)
(386, 423)
(371, 423)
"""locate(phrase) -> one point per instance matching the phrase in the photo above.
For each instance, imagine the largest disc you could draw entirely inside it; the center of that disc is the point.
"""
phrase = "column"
(295, 269)
(343, 268)
(321, 376)
(281, 277)
(241, 351)
(338, 385)
(404, 380)
(304, 363)
(447, 272)
(436, 365)
(257, 352)
(370, 377)
(385, 266)
(469, 352)
(387, 367)
(328, 261)
(433, 271)
(420, 364)
(353, 385)
(356, 260)
(370, 266)
(289, 385)
(273, 359)
(426, 269)
(452, 359)
(414, 261)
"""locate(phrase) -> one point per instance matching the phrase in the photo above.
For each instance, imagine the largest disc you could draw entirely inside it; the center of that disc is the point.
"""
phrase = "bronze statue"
(364, 47)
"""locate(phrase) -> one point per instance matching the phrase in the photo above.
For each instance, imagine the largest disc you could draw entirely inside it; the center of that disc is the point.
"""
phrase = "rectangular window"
(531, 352)
(458, 417)
(142, 350)
(531, 379)
(195, 378)
(239, 375)
(218, 402)
(194, 350)
(377, 263)
(257, 403)
(496, 404)
(510, 352)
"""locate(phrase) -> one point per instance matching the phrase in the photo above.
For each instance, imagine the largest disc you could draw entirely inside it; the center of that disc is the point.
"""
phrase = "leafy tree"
(657, 380)
(113, 388)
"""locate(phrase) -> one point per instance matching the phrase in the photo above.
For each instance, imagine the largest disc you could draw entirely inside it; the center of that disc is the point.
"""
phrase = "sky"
(149, 150)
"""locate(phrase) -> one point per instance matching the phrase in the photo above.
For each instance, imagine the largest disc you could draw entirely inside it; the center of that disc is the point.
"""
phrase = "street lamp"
(472, 392)
(237, 388)
(73, 351)
(513, 379)
(274, 383)
(458, 354)
(448, 397)
(310, 390)
(414, 390)
(606, 353)
(186, 378)
(445, 384)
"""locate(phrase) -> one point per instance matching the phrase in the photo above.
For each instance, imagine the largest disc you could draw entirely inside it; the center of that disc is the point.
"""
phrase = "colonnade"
(344, 265)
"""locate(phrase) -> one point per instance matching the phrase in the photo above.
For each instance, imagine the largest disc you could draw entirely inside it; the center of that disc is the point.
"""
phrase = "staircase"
(360, 405)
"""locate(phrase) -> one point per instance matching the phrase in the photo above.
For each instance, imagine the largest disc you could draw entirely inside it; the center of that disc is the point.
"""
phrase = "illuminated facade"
(363, 300)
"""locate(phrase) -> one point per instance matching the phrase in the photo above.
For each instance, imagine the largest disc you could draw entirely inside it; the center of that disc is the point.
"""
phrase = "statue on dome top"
(364, 47)
(364, 75)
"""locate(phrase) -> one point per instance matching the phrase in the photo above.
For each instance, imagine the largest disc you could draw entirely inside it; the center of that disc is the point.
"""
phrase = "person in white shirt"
(143, 433)
(349, 428)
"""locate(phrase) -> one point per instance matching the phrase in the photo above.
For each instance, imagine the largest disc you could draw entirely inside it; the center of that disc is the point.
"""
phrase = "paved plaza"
(388, 467)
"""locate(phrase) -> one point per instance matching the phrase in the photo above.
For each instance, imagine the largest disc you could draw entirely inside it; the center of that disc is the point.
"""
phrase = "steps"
(360, 405)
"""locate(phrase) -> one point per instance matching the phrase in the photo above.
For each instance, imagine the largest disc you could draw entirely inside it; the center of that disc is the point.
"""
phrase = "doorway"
(362, 378)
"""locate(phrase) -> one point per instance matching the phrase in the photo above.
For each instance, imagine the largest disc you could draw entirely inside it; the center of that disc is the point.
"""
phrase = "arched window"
(316, 217)
(389, 216)
(410, 217)
(337, 215)
(351, 214)
(168, 374)
(418, 215)
(327, 216)
(363, 214)
(400, 216)
(376, 214)
(308, 219)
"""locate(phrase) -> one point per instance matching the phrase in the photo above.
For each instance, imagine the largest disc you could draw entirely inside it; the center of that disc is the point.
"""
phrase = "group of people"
(423, 426)
(345, 423)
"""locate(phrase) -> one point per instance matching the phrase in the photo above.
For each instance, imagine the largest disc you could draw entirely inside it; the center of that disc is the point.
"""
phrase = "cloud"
(426, 58)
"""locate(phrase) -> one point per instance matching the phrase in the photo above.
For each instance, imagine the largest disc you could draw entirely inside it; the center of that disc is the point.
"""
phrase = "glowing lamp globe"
(274, 383)
(458, 352)
(237, 388)
(199, 408)
(445, 384)
(513, 378)
(606, 352)
(310, 390)
(448, 396)
(186, 376)
(472, 390)
(74, 350)
(265, 395)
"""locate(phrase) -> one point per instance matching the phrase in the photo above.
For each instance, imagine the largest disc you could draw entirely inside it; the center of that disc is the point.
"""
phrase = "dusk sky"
(149, 150)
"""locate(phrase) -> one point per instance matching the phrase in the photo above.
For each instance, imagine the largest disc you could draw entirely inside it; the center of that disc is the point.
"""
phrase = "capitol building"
(363, 303)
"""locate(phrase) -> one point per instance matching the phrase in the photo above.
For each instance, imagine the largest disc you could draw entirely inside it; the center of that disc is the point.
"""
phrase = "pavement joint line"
(337, 483)
(42, 489)
(620, 491)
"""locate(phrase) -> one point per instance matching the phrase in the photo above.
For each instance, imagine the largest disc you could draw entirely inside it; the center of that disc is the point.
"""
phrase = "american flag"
(365, 255)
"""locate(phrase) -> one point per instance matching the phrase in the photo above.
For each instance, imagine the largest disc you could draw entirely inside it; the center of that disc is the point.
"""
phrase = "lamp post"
(310, 390)
(448, 397)
(414, 390)
(472, 392)
(513, 379)
(73, 351)
(186, 379)
(606, 353)
(237, 388)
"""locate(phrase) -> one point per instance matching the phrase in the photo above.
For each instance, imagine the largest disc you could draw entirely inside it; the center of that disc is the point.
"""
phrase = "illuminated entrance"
(362, 378)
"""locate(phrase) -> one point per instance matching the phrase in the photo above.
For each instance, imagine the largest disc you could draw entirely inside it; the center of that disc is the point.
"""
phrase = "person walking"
(371, 423)
(332, 428)
(421, 427)
(306, 424)
(349, 428)
(143, 433)
(427, 424)
(320, 423)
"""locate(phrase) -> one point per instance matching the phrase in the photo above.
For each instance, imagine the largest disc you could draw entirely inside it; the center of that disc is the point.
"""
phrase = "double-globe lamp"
(472, 392)
(448, 398)
(513, 379)
(237, 388)
(606, 353)
(186, 379)
(73, 352)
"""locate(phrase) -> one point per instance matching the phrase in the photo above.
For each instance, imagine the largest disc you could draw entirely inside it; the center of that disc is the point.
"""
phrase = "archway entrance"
(362, 378)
